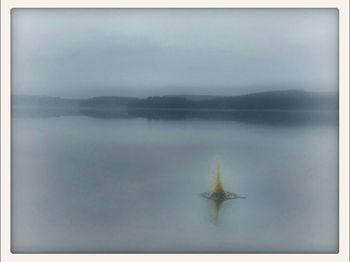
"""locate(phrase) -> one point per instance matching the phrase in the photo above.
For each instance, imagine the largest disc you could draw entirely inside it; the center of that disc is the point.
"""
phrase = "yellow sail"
(218, 190)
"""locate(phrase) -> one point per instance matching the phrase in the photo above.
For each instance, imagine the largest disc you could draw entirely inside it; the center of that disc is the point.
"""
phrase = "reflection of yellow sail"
(217, 207)
(218, 190)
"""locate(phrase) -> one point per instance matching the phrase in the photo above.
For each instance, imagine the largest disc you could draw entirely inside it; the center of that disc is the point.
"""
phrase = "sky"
(79, 53)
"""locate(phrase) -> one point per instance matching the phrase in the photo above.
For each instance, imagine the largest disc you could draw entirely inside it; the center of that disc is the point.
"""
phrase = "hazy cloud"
(141, 52)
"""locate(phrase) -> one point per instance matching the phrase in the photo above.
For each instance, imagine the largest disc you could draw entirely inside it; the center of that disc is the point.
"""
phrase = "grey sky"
(140, 52)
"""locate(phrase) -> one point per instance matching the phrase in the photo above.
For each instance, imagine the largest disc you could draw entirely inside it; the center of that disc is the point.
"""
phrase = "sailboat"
(219, 194)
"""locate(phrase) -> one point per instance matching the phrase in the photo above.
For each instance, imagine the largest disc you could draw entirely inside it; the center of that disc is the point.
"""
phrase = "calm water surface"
(84, 184)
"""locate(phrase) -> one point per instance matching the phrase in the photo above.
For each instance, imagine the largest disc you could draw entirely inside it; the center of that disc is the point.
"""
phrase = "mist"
(79, 53)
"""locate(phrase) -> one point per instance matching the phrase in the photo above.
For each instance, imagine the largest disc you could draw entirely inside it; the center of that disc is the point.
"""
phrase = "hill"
(46, 101)
(273, 100)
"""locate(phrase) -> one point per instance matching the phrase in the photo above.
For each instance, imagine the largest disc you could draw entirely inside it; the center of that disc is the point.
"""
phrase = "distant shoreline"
(229, 110)
(271, 101)
(121, 109)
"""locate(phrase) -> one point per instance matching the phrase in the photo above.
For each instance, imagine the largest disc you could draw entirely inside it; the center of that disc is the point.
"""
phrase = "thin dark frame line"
(174, 8)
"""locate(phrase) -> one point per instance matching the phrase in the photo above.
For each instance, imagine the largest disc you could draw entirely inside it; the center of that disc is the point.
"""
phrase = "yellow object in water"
(218, 190)
(219, 194)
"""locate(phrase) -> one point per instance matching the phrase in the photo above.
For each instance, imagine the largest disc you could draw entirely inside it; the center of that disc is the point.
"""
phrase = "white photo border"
(341, 5)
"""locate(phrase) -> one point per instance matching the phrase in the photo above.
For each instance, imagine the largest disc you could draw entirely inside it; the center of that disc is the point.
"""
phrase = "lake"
(132, 183)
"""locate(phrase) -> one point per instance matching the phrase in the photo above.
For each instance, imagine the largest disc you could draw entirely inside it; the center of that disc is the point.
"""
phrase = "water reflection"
(217, 207)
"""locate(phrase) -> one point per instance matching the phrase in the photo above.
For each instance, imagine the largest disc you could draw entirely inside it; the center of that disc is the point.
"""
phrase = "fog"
(143, 52)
